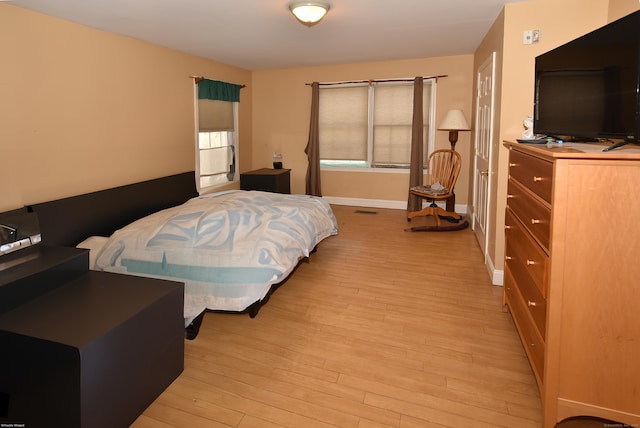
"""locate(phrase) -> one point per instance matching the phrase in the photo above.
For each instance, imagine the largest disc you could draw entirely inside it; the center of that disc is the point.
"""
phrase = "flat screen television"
(588, 89)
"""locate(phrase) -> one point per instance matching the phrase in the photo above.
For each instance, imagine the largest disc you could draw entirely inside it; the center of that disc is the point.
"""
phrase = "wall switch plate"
(530, 36)
(535, 36)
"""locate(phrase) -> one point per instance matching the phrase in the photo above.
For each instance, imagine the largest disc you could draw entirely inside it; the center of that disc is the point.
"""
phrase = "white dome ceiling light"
(309, 12)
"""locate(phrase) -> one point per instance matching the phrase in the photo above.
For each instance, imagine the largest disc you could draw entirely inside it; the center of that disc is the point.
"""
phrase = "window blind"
(343, 123)
(392, 122)
(371, 123)
(215, 115)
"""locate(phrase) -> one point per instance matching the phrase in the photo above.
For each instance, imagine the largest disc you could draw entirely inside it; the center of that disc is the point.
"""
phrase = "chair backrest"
(444, 167)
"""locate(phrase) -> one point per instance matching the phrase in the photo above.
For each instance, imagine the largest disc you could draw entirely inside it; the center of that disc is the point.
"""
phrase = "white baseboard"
(497, 276)
(381, 203)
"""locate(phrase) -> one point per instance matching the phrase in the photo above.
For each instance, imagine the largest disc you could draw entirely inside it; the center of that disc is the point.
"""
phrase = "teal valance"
(216, 90)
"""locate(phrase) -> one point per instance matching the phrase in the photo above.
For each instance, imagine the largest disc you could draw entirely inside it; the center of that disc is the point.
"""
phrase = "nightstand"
(83, 348)
(266, 179)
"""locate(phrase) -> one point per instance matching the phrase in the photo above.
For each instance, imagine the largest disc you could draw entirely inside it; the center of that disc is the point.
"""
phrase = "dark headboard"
(68, 221)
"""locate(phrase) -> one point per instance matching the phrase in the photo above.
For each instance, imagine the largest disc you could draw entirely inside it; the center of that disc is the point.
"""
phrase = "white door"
(483, 151)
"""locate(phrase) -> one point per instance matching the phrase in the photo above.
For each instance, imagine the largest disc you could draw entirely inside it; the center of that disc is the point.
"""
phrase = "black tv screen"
(588, 88)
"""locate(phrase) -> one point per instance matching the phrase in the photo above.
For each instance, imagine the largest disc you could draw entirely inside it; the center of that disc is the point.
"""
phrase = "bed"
(232, 249)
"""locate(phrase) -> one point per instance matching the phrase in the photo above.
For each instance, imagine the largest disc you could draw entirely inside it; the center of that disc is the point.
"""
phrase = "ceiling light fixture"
(309, 12)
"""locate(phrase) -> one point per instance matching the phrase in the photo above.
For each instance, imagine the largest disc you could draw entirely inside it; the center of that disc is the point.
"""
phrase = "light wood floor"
(382, 328)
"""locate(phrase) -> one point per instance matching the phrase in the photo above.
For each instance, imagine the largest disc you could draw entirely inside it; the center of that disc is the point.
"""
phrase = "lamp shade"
(454, 120)
(309, 12)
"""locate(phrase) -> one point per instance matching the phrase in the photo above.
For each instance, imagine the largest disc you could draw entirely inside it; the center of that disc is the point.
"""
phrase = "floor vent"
(366, 212)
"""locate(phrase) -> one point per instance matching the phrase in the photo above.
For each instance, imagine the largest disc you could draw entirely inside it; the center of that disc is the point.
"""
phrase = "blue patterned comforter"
(228, 248)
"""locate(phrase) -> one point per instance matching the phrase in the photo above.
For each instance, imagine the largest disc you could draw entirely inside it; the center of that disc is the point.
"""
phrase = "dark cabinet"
(82, 348)
(266, 179)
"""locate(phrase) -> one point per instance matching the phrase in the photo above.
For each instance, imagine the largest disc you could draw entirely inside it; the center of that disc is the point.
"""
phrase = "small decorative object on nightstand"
(277, 160)
(266, 179)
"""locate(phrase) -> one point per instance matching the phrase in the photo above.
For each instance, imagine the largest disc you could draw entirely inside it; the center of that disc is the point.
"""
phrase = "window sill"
(368, 170)
(231, 185)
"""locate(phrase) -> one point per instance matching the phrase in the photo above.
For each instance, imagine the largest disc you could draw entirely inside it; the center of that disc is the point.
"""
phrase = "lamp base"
(451, 201)
(453, 139)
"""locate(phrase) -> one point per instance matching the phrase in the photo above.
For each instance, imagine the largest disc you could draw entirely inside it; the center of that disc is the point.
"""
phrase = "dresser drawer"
(520, 246)
(533, 343)
(534, 215)
(534, 173)
(532, 299)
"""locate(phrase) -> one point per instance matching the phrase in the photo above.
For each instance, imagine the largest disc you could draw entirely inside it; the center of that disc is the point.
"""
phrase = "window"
(369, 125)
(217, 142)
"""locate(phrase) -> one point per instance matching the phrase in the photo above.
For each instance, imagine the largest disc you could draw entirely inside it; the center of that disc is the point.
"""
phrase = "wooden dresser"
(572, 276)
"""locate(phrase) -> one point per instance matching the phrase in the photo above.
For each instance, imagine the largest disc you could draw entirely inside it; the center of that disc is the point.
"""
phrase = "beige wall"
(620, 8)
(282, 100)
(83, 110)
(559, 21)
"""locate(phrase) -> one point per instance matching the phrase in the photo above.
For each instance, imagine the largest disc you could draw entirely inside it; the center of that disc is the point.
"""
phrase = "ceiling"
(262, 34)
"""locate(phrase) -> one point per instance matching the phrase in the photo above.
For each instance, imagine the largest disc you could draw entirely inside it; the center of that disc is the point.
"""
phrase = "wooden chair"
(444, 167)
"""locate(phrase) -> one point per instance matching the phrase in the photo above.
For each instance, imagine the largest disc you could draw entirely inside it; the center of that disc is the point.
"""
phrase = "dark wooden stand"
(31, 272)
(451, 203)
(266, 179)
(94, 349)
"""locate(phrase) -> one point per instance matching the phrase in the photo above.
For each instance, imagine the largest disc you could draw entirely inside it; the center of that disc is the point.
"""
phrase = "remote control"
(543, 140)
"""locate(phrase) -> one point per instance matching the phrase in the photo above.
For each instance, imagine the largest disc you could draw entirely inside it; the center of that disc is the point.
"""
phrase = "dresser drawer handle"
(536, 179)
(531, 303)
(535, 221)
(530, 262)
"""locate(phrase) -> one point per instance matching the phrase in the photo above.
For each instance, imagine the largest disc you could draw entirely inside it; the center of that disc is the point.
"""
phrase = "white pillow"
(94, 244)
